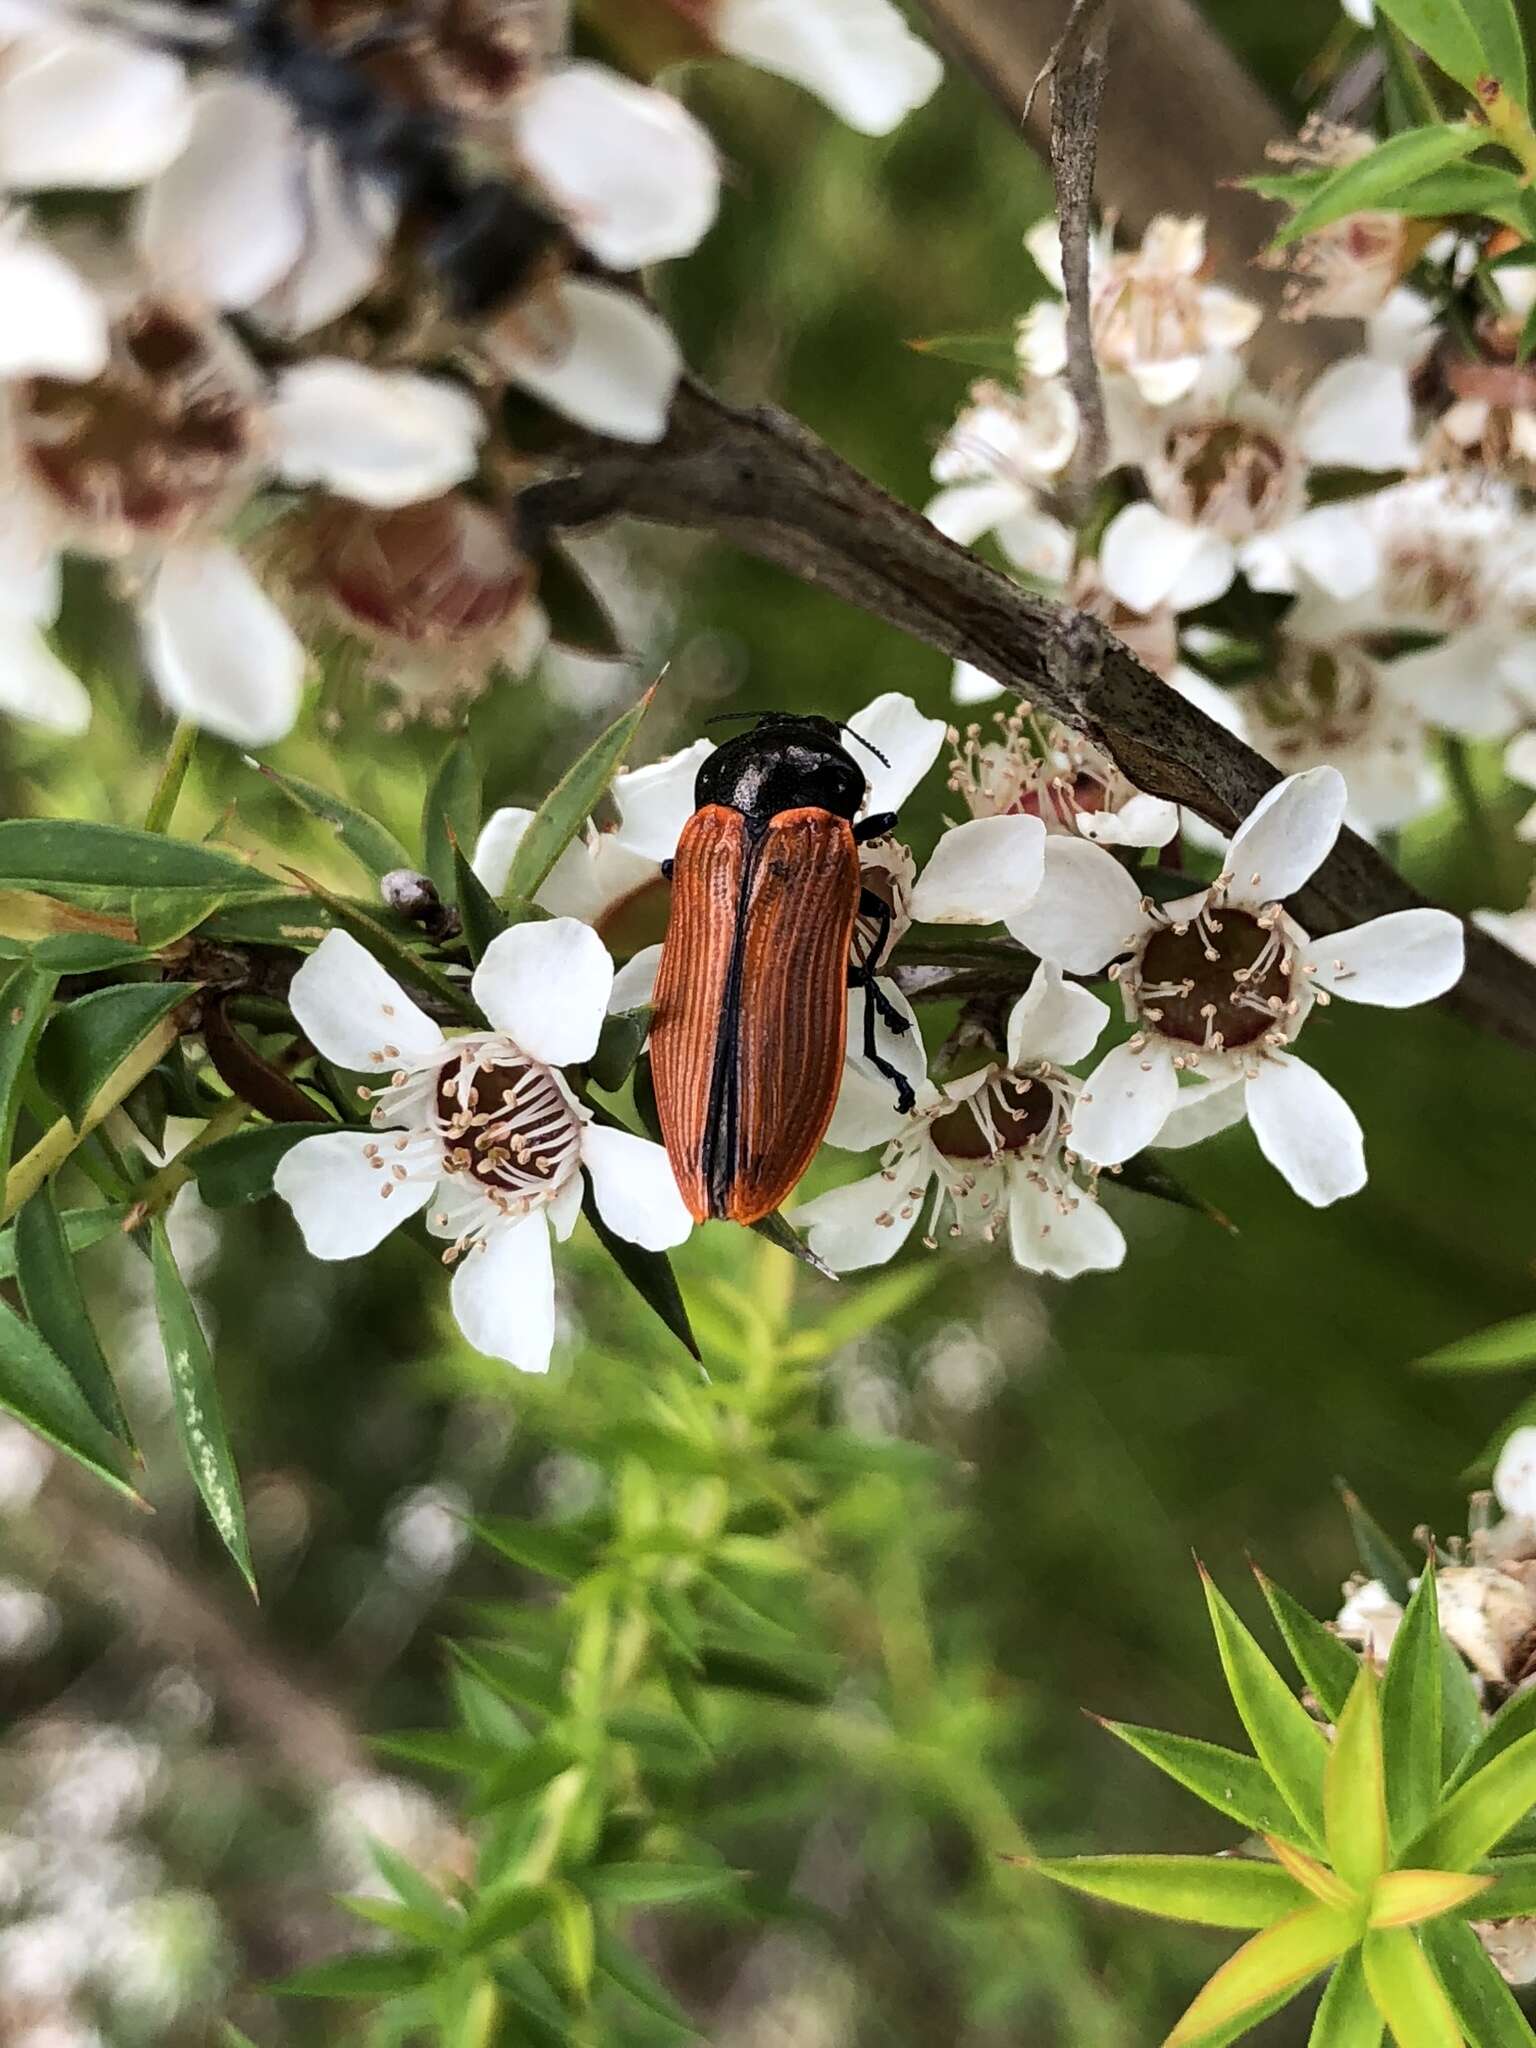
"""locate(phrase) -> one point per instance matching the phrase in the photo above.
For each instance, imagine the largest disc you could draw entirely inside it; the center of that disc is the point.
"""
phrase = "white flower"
(1371, 1618)
(1514, 1476)
(1047, 771)
(1152, 315)
(482, 1127)
(1219, 984)
(994, 1146)
(598, 878)
(1361, 11)
(593, 351)
(81, 109)
(1002, 447)
(1513, 928)
(1350, 268)
(857, 55)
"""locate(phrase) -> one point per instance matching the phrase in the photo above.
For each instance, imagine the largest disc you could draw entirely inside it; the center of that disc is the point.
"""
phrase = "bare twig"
(760, 479)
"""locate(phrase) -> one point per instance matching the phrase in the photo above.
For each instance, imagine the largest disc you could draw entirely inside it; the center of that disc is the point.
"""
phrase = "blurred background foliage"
(1087, 1439)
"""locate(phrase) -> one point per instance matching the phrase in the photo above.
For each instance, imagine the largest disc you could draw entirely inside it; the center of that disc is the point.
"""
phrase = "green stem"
(173, 773)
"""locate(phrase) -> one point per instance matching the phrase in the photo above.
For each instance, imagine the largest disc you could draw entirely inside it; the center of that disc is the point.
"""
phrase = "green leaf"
(1236, 1785)
(52, 1297)
(778, 1231)
(1210, 1891)
(1411, 1715)
(37, 1387)
(450, 811)
(363, 1976)
(1288, 1742)
(195, 1398)
(1461, 1710)
(995, 352)
(578, 617)
(442, 1749)
(395, 956)
(882, 1301)
(639, 1982)
(432, 1929)
(1279, 1960)
(1347, 2016)
(239, 1168)
(566, 1553)
(24, 998)
(1483, 2003)
(569, 804)
(371, 844)
(89, 1040)
(1148, 1173)
(1467, 188)
(1502, 1347)
(1479, 1812)
(1511, 1724)
(104, 864)
(524, 1771)
(658, 1884)
(479, 912)
(1513, 1893)
(1468, 39)
(575, 1939)
(623, 1038)
(1371, 182)
(1379, 1555)
(1354, 1786)
(1327, 1665)
(649, 1273)
(1407, 1991)
(1404, 1898)
(82, 1229)
(503, 1913)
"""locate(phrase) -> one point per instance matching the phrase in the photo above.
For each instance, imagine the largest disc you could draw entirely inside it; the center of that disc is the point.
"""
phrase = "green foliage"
(569, 804)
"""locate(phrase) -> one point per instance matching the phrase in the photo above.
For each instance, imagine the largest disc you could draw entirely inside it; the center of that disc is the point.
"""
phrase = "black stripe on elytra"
(718, 1156)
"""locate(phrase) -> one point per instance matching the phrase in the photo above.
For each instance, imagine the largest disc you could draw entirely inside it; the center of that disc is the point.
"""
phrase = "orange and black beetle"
(750, 1020)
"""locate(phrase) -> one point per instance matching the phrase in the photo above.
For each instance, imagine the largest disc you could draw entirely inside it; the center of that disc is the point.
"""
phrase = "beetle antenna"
(731, 717)
(864, 743)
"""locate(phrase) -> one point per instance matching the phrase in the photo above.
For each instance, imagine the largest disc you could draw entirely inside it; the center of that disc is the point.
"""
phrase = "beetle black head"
(788, 760)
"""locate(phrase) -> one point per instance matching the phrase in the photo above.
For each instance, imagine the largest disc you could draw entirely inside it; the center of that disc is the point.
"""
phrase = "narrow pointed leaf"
(88, 1040)
(195, 1398)
(649, 1273)
(1480, 1812)
(1236, 1785)
(102, 864)
(1411, 1715)
(566, 1554)
(1369, 181)
(371, 844)
(361, 1976)
(1354, 1785)
(997, 353)
(1347, 2015)
(450, 810)
(1483, 2003)
(441, 1749)
(575, 1939)
(1403, 1898)
(24, 998)
(1407, 1992)
(569, 804)
(479, 912)
(1288, 1742)
(1513, 1890)
(1324, 1884)
(500, 1914)
(1466, 38)
(404, 1879)
(623, 1037)
(658, 1884)
(52, 1296)
(37, 1387)
(1379, 1555)
(578, 617)
(1501, 1347)
(82, 1228)
(1327, 1665)
(1511, 1724)
(521, 1773)
(1209, 1891)
(1279, 1960)
(1461, 1710)
(239, 1168)
(638, 1981)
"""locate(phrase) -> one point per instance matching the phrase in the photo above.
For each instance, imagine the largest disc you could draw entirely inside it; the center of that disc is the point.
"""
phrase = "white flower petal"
(1145, 558)
(1406, 957)
(971, 685)
(1141, 820)
(903, 1050)
(911, 743)
(1459, 684)
(338, 1194)
(383, 438)
(1125, 1102)
(504, 1294)
(865, 1113)
(1359, 415)
(51, 322)
(1042, 242)
(634, 986)
(226, 219)
(1514, 1476)
(1054, 1019)
(219, 649)
(1286, 837)
(1088, 909)
(1333, 546)
(1041, 341)
(354, 1013)
(597, 354)
(500, 837)
(1520, 759)
(655, 802)
(1166, 382)
(546, 985)
(964, 512)
(349, 223)
(633, 171)
(1403, 328)
(88, 112)
(1204, 1109)
(863, 1224)
(858, 56)
(1044, 1240)
(1226, 319)
(564, 1207)
(635, 1191)
(1038, 545)
(592, 877)
(35, 685)
(1306, 1130)
(981, 872)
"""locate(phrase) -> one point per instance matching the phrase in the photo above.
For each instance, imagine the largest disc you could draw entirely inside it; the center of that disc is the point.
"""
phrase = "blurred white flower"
(1350, 268)
(82, 109)
(483, 1127)
(25, 1462)
(859, 56)
(1220, 983)
(1044, 770)
(426, 1531)
(1004, 446)
(1153, 316)
(29, 1622)
(389, 1810)
(1370, 1617)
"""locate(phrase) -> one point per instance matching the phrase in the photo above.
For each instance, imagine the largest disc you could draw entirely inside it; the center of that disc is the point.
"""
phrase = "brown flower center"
(508, 1125)
(1020, 1108)
(1232, 476)
(439, 573)
(1222, 981)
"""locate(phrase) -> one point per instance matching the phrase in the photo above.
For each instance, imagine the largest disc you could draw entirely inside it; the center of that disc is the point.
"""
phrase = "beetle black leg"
(666, 868)
(877, 1003)
(875, 826)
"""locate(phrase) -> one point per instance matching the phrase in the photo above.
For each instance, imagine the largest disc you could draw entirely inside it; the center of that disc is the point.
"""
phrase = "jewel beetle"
(750, 1014)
